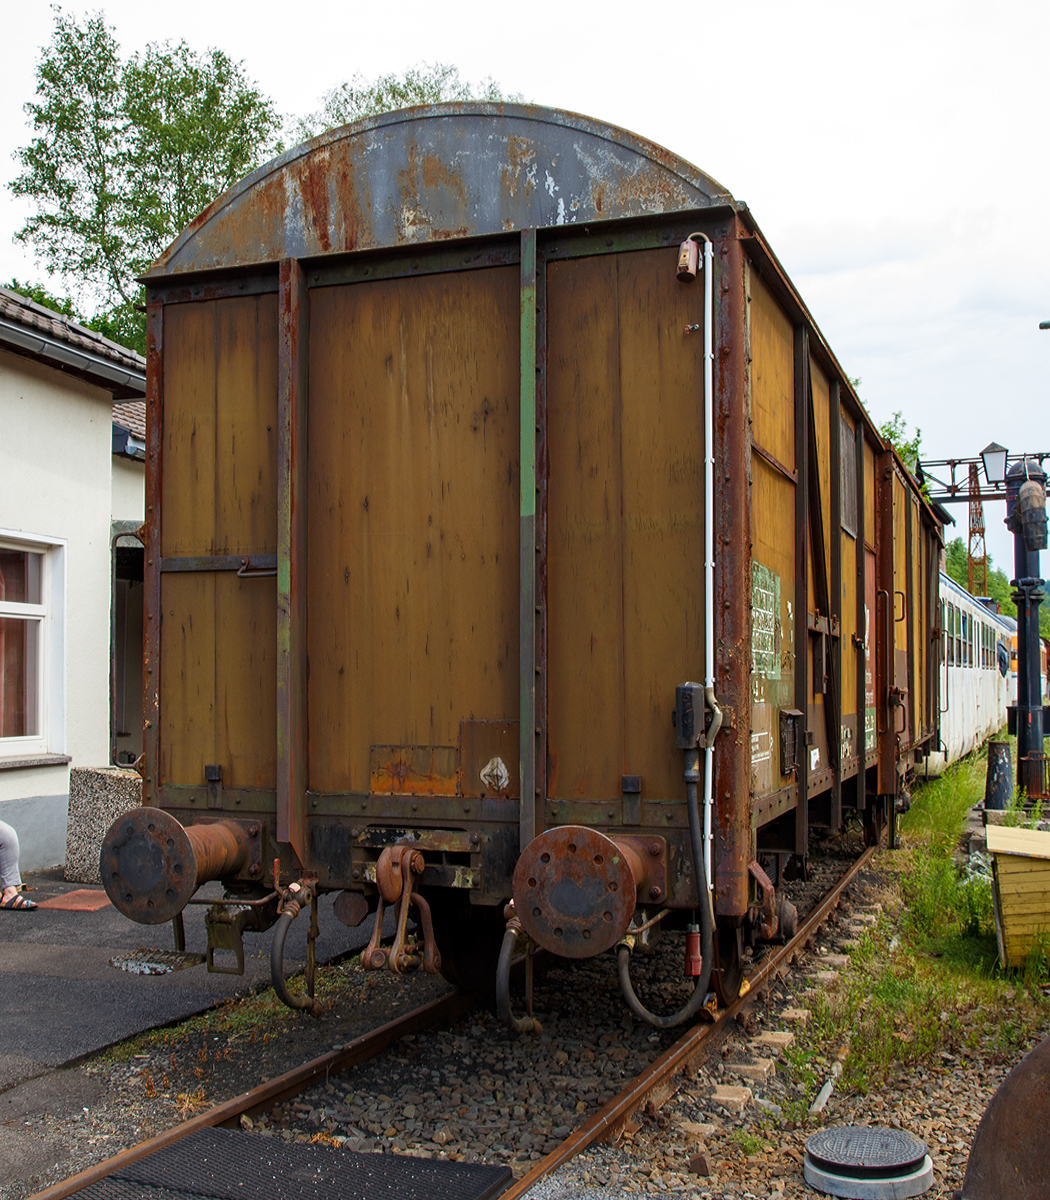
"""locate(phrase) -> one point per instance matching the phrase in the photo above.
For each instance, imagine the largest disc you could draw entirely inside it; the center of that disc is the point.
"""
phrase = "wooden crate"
(1021, 889)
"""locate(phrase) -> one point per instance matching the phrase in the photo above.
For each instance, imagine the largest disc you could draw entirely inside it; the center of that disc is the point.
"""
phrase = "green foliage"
(425, 83)
(748, 1142)
(895, 431)
(125, 153)
(196, 126)
(942, 901)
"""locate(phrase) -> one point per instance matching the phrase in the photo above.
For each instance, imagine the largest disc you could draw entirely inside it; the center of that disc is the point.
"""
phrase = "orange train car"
(518, 557)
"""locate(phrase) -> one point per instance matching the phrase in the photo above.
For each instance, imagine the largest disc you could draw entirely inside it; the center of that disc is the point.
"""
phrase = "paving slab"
(23, 1155)
(56, 1094)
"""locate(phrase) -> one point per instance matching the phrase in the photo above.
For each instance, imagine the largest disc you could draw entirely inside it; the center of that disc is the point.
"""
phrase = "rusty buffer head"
(151, 865)
(575, 891)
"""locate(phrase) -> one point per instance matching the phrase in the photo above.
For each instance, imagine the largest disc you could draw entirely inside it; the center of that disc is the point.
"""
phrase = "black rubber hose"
(506, 1014)
(623, 958)
(280, 984)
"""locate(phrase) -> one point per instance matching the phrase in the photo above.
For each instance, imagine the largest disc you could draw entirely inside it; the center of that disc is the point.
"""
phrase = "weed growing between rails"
(924, 983)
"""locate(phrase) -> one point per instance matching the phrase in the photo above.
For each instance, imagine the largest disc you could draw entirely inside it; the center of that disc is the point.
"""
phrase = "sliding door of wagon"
(413, 503)
(218, 507)
(625, 512)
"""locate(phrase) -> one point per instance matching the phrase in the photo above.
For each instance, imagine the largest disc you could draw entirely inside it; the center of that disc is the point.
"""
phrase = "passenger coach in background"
(975, 681)
(510, 424)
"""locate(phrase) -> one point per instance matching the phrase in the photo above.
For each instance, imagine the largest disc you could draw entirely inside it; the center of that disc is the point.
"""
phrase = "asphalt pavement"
(61, 999)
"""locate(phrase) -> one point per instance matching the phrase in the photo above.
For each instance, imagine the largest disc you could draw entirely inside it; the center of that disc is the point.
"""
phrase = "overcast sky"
(895, 154)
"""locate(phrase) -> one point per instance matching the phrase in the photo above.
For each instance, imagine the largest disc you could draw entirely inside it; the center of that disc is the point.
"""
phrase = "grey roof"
(432, 173)
(131, 415)
(31, 329)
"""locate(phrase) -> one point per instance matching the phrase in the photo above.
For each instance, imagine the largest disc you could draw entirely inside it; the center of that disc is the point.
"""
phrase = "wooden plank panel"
(901, 567)
(920, 648)
(772, 375)
(821, 404)
(188, 430)
(245, 680)
(413, 500)
(1016, 841)
(585, 702)
(219, 486)
(246, 426)
(772, 626)
(188, 708)
(848, 623)
(662, 465)
(218, 688)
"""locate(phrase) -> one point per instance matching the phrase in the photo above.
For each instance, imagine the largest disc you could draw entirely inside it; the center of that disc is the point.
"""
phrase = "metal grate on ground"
(222, 1164)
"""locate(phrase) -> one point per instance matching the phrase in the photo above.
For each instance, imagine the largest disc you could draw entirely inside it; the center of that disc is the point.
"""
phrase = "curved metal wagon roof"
(433, 173)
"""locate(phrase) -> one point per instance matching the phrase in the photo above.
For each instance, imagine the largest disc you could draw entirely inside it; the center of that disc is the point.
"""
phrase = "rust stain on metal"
(436, 174)
(313, 178)
(575, 890)
(520, 167)
(414, 770)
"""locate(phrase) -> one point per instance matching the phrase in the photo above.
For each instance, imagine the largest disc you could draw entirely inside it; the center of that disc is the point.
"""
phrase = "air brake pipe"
(709, 553)
(688, 258)
(695, 1002)
(296, 898)
(503, 1002)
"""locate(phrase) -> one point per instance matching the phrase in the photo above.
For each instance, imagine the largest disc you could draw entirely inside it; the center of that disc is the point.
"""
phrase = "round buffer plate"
(574, 891)
(867, 1162)
(148, 866)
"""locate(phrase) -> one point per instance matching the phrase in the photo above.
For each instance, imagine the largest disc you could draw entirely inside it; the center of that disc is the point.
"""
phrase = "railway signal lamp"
(994, 458)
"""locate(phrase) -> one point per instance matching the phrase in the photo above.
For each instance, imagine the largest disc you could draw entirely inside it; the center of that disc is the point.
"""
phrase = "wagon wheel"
(469, 937)
(728, 971)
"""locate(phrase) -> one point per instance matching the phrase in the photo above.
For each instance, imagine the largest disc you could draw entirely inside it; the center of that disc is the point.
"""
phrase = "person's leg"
(10, 879)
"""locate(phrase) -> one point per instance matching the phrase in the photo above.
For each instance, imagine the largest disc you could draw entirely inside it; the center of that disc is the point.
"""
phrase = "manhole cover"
(155, 962)
(867, 1162)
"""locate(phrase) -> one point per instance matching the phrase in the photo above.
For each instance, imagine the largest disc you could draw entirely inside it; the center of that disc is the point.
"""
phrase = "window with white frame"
(25, 644)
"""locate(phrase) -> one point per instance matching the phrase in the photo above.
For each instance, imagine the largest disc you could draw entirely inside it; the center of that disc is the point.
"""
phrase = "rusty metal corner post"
(151, 564)
(530, 768)
(732, 453)
(292, 391)
(803, 467)
(885, 627)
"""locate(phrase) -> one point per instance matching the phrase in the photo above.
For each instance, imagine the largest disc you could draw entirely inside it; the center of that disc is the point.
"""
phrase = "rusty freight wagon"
(518, 557)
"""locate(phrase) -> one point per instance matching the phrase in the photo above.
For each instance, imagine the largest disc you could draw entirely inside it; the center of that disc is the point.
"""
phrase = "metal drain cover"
(155, 962)
(867, 1163)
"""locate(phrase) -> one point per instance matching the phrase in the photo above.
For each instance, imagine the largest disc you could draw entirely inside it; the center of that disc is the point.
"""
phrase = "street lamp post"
(1026, 520)
(1021, 481)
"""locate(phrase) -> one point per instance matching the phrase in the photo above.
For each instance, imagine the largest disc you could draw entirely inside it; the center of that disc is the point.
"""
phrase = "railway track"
(652, 1087)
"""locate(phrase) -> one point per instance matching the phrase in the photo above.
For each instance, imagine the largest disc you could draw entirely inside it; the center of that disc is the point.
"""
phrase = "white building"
(70, 478)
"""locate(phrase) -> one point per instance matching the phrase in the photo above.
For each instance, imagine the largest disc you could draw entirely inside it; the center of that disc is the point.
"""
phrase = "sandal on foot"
(18, 903)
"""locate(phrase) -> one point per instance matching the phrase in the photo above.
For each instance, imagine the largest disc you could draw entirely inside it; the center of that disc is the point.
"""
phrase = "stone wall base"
(97, 796)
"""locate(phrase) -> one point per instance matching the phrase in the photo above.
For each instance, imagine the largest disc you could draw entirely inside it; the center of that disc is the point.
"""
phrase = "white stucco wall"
(129, 489)
(55, 483)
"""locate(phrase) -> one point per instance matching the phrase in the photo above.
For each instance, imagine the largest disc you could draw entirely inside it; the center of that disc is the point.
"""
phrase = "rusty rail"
(361, 1049)
(690, 1049)
(684, 1054)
